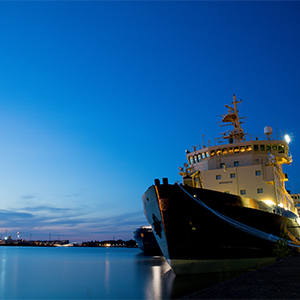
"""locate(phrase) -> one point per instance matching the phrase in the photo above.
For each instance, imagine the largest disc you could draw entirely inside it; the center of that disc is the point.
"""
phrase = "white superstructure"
(296, 198)
(241, 164)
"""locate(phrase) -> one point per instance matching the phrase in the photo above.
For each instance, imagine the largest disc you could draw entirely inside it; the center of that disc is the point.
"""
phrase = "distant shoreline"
(66, 243)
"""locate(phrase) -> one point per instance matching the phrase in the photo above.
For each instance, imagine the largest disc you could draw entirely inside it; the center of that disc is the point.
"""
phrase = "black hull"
(146, 241)
(215, 231)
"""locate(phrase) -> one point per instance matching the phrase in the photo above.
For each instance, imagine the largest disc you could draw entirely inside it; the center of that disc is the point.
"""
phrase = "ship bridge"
(241, 164)
(268, 149)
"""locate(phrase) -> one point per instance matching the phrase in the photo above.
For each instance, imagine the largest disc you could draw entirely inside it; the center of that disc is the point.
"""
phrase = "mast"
(232, 117)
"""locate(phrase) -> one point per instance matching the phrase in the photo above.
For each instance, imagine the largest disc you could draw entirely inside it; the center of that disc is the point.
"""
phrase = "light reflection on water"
(90, 273)
(3, 273)
(106, 278)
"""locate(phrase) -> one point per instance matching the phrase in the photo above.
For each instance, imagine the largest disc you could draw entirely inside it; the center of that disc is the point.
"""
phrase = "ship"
(146, 241)
(232, 206)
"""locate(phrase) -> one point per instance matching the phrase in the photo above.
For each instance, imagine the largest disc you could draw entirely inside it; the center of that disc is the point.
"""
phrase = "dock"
(280, 280)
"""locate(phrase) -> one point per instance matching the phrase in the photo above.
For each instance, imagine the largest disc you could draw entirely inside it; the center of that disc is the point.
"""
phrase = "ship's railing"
(222, 141)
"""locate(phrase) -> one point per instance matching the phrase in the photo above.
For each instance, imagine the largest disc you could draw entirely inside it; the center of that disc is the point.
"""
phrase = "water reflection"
(107, 276)
(154, 283)
(188, 284)
(92, 273)
(162, 283)
(150, 270)
(3, 271)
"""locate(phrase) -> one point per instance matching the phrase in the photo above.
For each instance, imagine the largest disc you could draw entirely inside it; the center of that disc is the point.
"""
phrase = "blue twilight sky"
(99, 98)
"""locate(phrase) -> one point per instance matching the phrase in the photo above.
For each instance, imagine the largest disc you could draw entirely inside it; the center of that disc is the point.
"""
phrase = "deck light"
(287, 138)
(269, 202)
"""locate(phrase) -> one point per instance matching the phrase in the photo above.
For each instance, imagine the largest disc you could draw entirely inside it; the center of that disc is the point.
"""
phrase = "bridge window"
(274, 147)
(280, 148)
(256, 148)
(191, 160)
(268, 147)
(262, 147)
(199, 157)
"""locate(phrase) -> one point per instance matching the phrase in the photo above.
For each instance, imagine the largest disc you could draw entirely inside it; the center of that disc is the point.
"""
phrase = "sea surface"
(92, 273)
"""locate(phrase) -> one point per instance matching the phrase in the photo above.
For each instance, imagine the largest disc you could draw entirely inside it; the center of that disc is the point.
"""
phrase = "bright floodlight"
(269, 202)
(287, 138)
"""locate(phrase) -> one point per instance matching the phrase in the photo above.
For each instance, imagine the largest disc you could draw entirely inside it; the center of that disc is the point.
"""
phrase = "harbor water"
(92, 273)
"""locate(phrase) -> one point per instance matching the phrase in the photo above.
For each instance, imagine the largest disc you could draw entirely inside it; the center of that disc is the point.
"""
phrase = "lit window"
(243, 149)
(249, 148)
(260, 191)
(218, 152)
(236, 150)
(212, 153)
(243, 192)
(218, 177)
(230, 151)
(280, 148)
(224, 151)
(257, 173)
(236, 163)
(232, 175)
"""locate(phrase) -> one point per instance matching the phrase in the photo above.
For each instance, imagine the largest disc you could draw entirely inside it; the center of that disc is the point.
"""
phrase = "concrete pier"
(280, 280)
